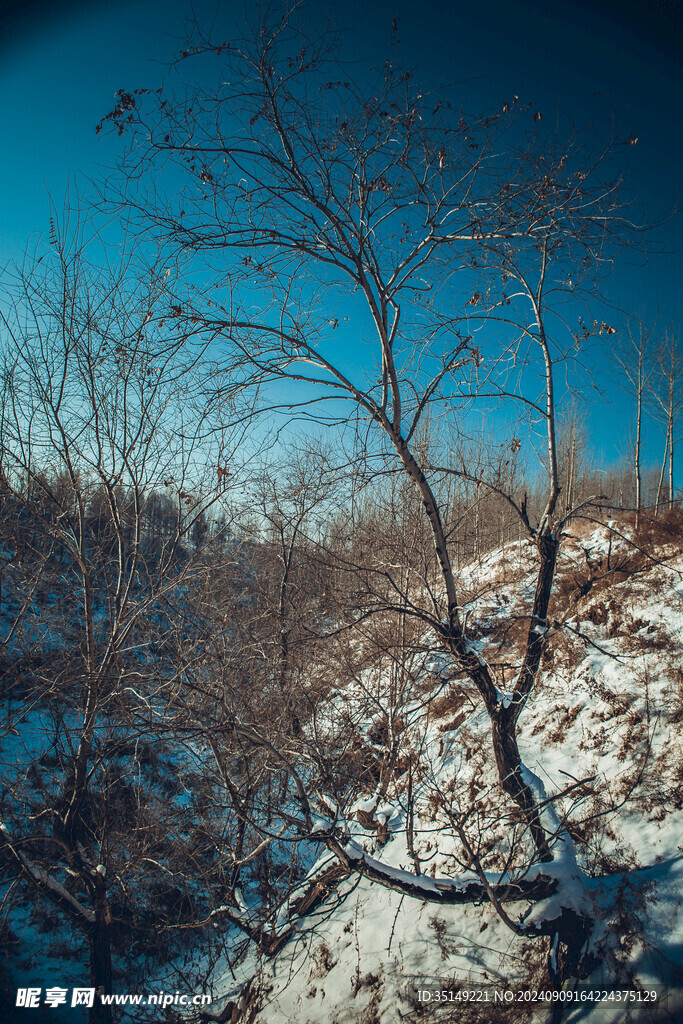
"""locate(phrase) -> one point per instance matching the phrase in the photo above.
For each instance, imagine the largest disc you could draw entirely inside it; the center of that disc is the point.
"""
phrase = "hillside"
(603, 735)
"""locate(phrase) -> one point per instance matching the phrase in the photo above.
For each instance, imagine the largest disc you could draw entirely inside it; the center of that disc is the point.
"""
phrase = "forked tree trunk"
(503, 715)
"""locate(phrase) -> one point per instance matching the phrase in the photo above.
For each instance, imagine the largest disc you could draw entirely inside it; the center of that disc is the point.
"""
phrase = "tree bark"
(671, 461)
(661, 475)
(639, 420)
(100, 956)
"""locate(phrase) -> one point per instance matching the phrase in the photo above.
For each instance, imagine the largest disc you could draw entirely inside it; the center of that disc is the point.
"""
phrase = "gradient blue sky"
(61, 63)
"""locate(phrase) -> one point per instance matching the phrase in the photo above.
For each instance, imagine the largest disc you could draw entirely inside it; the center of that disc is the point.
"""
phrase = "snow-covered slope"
(602, 734)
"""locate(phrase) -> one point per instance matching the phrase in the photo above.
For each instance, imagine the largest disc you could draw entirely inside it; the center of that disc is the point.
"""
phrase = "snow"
(368, 805)
(595, 734)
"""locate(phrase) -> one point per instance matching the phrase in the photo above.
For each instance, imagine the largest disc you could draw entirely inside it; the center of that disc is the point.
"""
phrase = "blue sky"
(61, 63)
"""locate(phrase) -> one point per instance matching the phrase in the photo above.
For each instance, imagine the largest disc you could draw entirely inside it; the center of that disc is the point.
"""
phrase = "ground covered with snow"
(602, 735)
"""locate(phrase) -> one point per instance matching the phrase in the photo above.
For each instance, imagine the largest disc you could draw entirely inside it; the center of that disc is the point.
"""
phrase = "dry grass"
(447, 703)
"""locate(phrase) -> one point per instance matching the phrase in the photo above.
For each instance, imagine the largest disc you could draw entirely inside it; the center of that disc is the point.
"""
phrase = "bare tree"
(636, 368)
(366, 212)
(571, 447)
(105, 409)
(669, 399)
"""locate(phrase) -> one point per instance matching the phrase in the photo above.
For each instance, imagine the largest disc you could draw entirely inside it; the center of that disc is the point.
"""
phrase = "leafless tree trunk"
(669, 396)
(636, 368)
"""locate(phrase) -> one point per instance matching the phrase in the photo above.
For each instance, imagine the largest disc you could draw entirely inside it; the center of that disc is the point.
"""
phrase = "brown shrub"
(448, 703)
(659, 531)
